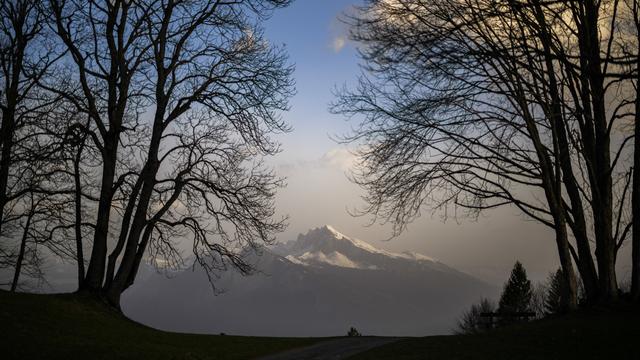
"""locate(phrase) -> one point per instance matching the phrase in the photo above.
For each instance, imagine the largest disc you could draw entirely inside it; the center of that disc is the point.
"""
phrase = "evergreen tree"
(556, 299)
(516, 296)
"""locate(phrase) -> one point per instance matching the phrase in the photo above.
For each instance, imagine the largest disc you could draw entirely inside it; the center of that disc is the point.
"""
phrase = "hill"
(71, 327)
(67, 326)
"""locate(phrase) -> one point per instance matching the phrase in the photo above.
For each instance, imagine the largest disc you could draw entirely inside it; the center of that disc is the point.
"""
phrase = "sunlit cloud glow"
(338, 43)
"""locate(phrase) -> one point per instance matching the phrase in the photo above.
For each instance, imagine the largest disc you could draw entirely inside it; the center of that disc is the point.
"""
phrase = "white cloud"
(340, 158)
(338, 43)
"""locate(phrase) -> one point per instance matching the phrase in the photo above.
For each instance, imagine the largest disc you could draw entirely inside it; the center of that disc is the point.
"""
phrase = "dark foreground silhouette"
(70, 327)
(341, 348)
(597, 333)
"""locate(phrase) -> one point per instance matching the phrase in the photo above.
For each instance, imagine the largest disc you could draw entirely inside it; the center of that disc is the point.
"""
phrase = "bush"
(472, 322)
(353, 332)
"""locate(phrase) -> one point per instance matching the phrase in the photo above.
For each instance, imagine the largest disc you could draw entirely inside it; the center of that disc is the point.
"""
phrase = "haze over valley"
(319, 284)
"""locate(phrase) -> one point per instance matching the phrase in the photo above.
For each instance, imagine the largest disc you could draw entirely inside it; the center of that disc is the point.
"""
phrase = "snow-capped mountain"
(317, 285)
(325, 246)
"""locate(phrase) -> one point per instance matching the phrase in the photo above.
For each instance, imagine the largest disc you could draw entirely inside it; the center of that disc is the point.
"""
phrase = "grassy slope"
(598, 334)
(69, 327)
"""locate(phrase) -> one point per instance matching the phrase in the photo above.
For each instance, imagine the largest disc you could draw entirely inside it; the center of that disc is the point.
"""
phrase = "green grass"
(594, 334)
(71, 327)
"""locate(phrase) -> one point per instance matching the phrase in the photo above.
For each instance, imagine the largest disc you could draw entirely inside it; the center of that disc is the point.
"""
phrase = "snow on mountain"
(325, 246)
(417, 256)
(334, 258)
(318, 285)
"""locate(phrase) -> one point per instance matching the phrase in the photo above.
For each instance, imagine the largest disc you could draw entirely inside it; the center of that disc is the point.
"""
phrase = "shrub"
(353, 332)
(471, 321)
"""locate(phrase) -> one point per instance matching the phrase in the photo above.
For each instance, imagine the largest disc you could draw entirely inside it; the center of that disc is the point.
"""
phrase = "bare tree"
(108, 88)
(538, 297)
(42, 214)
(633, 52)
(180, 98)
(480, 104)
(28, 153)
(20, 68)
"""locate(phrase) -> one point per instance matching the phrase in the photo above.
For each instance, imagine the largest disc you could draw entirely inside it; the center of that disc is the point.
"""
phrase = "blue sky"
(311, 32)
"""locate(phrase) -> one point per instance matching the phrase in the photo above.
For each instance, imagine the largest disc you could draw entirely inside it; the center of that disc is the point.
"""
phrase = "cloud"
(338, 33)
(339, 158)
(338, 43)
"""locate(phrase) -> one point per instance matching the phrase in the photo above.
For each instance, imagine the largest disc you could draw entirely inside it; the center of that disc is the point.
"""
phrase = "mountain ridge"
(328, 230)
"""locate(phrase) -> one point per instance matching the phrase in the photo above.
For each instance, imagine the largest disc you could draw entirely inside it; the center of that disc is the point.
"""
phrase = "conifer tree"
(556, 299)
(516, 296)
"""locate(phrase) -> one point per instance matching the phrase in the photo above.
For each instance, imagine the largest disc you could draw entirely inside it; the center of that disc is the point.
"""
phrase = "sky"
(318, 191)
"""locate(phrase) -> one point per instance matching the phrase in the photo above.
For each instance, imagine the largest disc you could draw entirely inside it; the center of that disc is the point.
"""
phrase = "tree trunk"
(124, 232)
(119, 282)
(6, 140)
(12, 82)
(635, 201)
(564, 166)
(568, 274)
(146, 183)
(116, 288)
(78, 215)
(602, 188)
(96, 271)
(23, 245)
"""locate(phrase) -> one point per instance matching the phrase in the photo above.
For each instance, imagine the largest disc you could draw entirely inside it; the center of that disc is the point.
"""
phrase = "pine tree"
(516, 296)
(556, 299)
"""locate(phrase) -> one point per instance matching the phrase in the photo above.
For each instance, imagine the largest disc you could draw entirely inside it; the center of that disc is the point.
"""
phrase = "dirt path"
(333, 349)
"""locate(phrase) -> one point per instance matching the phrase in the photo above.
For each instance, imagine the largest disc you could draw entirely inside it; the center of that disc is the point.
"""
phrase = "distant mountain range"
(318, 285)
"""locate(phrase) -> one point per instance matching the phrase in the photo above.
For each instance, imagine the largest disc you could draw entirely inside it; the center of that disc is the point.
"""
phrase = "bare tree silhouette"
(29, 157)
(163, 113)
(478, 104)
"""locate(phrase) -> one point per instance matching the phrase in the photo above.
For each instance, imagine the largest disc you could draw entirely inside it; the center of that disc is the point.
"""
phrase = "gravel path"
(333, 349)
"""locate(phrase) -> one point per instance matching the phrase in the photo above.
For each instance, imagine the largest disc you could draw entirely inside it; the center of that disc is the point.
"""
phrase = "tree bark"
(584, 262)
(96, 271)
(602, 189)
(8, 116)
(7, 143)
(23, 246)
(78, 213)
(119, 282)
(552, 189)
(124, 232)
(568, 274)
(635, 198)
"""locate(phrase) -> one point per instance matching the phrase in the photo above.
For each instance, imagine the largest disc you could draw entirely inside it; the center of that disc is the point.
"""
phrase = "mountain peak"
(333, 231)
(325, 230)
(325, 233)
